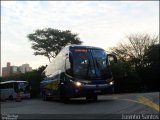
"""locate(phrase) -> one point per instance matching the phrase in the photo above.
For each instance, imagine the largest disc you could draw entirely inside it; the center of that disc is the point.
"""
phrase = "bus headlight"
(78, 84)
(111, 83)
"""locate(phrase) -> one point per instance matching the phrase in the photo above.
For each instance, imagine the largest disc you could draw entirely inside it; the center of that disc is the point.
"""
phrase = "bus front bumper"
(98, 89)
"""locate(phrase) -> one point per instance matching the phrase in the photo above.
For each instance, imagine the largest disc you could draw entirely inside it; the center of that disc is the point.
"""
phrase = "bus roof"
(83, 46)
(11, 81)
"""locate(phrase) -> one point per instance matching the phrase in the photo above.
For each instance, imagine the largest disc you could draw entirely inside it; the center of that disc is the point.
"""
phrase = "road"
(117, 105)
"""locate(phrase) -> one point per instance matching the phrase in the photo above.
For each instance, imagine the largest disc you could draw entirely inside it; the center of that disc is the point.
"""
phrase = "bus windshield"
(91, 64)
(24, 87)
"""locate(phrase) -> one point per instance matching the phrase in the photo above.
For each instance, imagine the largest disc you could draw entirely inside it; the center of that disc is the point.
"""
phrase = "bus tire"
(95, 98)
(10, 97)
(88, 98)
(64, 99)
(45, 98)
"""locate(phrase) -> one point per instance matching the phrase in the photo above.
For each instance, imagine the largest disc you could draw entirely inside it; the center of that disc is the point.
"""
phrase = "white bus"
(10, 89)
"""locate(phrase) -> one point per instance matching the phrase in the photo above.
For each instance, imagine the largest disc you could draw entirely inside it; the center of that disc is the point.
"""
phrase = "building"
(25, 68)
(14, 70)
(8, 70)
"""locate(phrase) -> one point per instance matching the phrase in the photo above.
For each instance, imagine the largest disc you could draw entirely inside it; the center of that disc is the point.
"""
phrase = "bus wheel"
(45, 98)
(64, 99)
(95, 98)
(10, 97)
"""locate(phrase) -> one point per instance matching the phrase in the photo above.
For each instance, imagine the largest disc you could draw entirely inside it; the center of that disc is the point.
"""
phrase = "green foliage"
(49, 42)
(139, 64)
(152, 57)
(34, 78)
(125, 77)
(152, 67)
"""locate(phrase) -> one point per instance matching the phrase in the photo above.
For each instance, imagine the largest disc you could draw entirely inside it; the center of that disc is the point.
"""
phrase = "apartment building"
(8, 70)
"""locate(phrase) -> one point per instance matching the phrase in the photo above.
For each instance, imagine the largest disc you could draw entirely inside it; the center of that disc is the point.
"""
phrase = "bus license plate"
(97, 91)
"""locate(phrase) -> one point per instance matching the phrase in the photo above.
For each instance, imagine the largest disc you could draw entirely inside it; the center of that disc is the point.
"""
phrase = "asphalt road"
(107, 106)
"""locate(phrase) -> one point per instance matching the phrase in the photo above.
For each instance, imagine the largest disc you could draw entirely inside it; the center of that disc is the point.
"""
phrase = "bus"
(78, 71)
(10, 89)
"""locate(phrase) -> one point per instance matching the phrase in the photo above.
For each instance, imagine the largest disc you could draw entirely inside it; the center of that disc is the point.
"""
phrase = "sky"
(97, 23)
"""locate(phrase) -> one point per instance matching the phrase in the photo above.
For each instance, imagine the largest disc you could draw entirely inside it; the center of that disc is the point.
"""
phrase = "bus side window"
(16, 87)
(2, 86)
(9, 85)
(68, 66)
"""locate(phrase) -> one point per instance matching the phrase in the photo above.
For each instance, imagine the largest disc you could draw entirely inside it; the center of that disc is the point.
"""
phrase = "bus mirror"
(113, 56)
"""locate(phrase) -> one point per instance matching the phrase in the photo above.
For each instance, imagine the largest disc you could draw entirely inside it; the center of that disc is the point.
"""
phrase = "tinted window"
(6, 85)
(90, 64)
(16, 87)
(101, 63)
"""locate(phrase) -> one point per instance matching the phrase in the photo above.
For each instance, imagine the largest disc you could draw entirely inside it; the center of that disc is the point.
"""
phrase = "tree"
(152, 56)
(138, 65)
(134, 48)
(49, 42)
(152, 60)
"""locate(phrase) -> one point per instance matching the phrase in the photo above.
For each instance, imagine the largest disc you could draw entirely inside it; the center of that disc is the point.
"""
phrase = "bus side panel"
(7, 90)
(6, 93)
(51, 89)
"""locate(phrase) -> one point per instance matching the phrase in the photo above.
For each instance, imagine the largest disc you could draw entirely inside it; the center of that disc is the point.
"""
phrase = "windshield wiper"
(97, 64)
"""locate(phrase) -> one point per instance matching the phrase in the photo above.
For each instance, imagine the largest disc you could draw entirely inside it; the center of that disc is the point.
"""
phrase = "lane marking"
(148, 102)
(131, 100)
(141, 100)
